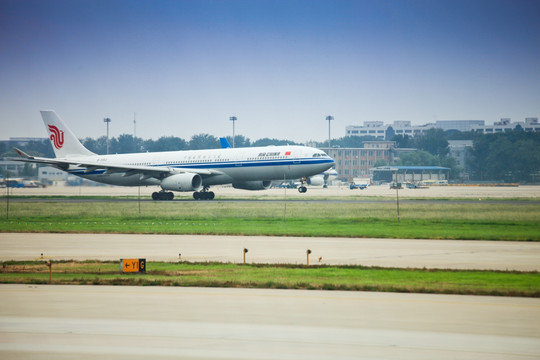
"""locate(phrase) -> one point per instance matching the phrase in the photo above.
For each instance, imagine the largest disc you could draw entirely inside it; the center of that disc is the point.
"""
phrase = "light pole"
(329, 118)
(107, 120)
(233, 119)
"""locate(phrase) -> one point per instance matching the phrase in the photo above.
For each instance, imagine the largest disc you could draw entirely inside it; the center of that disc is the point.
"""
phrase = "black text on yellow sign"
(133, 265)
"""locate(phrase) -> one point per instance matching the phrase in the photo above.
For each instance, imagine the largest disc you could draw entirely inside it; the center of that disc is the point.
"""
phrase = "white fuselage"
(226, 165)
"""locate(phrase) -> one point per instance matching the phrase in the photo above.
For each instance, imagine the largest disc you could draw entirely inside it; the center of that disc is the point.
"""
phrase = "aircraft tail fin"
(64, 142)
(224, 143)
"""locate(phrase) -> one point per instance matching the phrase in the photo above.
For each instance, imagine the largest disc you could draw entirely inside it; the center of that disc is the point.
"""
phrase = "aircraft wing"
(143, 171)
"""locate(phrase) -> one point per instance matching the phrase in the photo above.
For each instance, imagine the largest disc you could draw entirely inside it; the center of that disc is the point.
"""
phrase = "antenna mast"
(134, 125)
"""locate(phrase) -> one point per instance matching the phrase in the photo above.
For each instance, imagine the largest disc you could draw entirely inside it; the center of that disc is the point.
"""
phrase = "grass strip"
(438, 220)
(306, 227)
(349, 278)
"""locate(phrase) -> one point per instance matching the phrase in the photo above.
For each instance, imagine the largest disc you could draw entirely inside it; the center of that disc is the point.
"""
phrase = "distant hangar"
(404, 174)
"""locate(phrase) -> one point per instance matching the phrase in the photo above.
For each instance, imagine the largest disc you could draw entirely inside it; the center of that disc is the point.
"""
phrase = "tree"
(352, 141)
(166, 143)
(478, 160)
(41, 148)
(126, 144)
(403, 141)
(275, 142)
(204, 141)
(239, 141)
(98, 146)
(417, 158)
(451, 162)
(433, 141)
(510, 156)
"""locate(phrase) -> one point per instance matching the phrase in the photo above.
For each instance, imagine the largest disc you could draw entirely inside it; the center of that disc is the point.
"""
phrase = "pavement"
(471, 192)
(106, 322)
(405, 253)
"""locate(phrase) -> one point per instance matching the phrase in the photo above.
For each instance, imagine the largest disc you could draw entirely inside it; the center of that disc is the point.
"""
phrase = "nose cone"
(327, 163)
(331, 161)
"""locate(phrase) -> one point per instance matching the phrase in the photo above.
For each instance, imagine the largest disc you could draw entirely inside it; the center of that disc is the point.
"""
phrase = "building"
(460, 149)
(506, 124)
(403, 127)
(13, 168)
(383, 131)
(51, 175)
(25, 140)
(410, 174)
(356, 162)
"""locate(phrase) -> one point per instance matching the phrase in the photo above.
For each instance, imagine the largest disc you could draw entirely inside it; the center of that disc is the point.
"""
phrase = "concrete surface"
(475, 192)
(66, 322)
(441, 254)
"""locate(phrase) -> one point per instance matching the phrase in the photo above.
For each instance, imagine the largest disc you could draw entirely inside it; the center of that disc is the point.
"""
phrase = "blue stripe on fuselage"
(224, 165)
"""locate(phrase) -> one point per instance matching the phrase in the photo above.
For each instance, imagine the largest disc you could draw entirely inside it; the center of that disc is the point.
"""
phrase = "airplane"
(251, 168)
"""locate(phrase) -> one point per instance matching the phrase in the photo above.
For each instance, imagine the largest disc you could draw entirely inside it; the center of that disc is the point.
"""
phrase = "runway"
(440, 254)
(527, 192)
(65, 322)
(60, 322)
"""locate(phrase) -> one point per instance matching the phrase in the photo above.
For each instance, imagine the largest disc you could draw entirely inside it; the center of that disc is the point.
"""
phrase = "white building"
(506, 124)
(49, 174)
(383, 131)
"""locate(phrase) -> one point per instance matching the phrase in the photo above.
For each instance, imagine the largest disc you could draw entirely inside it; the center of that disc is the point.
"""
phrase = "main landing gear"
(204, 194)
(162, 195)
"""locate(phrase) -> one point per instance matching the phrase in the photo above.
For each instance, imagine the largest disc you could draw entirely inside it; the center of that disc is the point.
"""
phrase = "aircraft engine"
(182, 182)
(316, 180)
(252, 185)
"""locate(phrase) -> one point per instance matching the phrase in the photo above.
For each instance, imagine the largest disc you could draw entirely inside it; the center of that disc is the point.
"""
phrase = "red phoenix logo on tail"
(57, 136)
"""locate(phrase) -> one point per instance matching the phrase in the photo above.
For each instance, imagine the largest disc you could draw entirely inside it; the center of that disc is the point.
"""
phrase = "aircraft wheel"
(204, 195)
(302, 189)
(170, 196)
(155, 196)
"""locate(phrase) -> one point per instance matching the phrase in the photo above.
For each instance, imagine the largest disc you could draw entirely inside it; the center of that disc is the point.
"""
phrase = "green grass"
(441, 220)
(349, 278)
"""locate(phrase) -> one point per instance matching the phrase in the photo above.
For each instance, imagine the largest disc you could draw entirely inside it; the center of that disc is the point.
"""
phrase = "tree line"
(512, 156)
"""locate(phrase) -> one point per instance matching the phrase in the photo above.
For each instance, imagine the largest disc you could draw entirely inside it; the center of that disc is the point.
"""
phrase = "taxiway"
(412, 253)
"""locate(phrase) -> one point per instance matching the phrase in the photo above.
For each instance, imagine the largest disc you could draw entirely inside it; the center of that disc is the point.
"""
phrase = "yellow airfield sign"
(133, 265)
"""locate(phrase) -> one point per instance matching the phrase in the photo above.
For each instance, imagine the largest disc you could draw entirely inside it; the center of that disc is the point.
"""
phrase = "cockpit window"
(319, 155)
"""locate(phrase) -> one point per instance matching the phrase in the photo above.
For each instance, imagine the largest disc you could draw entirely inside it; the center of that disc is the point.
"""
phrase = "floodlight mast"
(108, 121)
(329, 118)
(233, 119)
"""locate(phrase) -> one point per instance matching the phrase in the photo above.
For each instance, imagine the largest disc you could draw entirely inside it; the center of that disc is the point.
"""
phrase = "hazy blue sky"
(280, 67)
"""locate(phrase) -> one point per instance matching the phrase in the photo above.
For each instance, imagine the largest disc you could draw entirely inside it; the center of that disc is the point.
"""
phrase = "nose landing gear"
(302, 188)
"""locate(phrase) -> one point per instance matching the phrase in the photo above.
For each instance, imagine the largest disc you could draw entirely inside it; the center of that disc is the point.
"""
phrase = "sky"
(281, 67)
